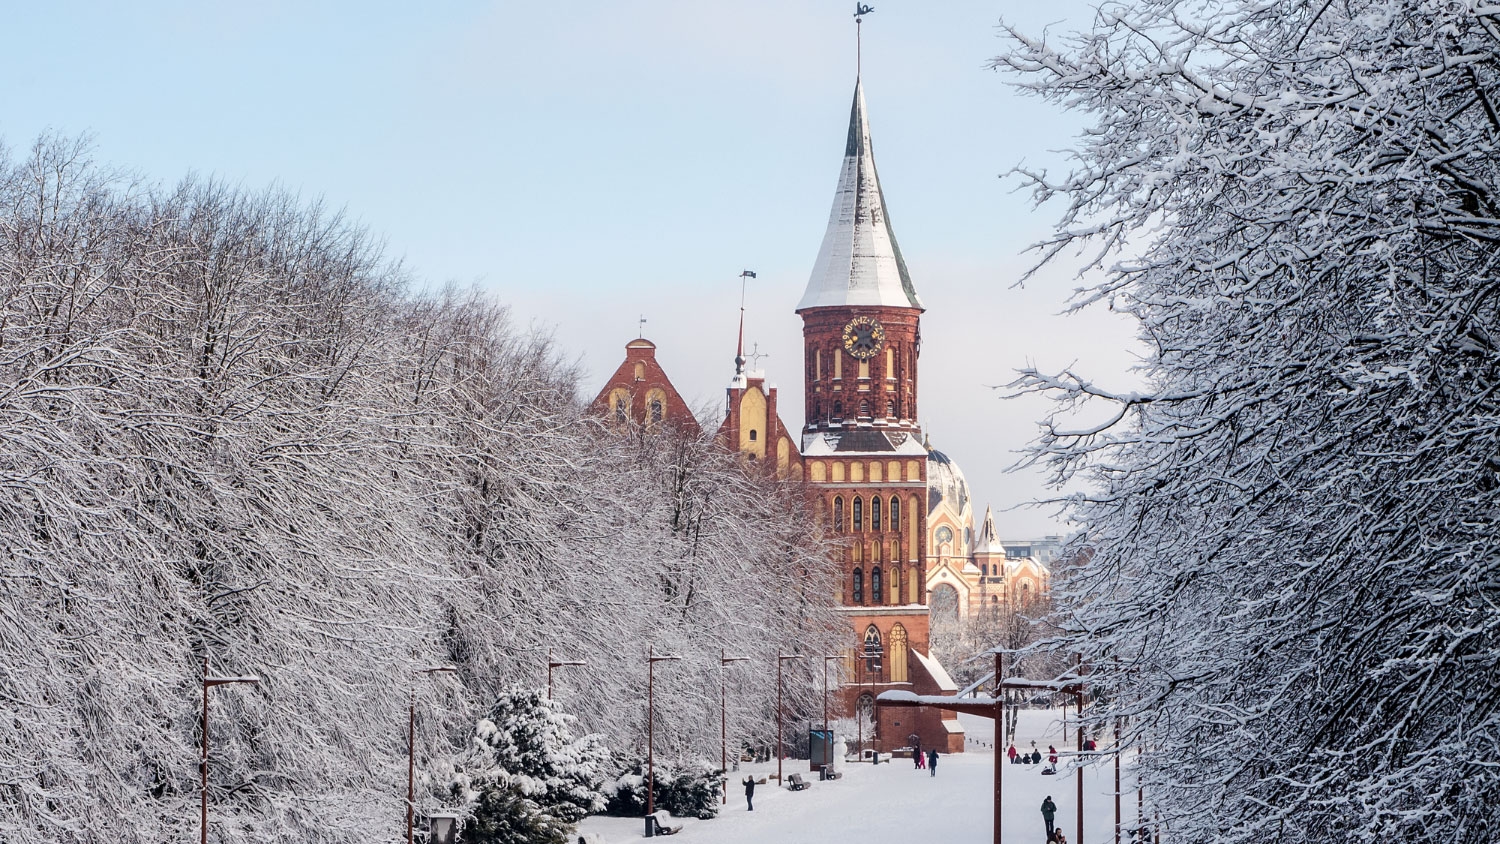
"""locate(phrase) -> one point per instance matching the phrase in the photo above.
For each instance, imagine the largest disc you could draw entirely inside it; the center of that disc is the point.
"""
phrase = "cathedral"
(902, 509)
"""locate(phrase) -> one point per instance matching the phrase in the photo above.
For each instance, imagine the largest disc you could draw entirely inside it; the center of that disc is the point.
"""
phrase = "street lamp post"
(209, 682)
(724, 719)
(780, 658)
(411, 744)
(828, 741)
(651, 660)
(554, 663)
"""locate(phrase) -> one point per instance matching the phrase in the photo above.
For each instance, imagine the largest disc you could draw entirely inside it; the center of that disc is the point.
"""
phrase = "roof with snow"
(936, 670)
(859, 262)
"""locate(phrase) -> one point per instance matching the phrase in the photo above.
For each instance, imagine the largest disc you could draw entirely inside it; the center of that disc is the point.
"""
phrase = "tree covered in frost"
(1292, 595)
(528, 780)
(231, 432)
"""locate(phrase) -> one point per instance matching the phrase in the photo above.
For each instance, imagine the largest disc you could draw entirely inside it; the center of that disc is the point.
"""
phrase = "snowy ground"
(895, 804)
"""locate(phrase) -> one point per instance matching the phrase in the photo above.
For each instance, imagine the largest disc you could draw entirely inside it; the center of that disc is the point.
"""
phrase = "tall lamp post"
(411, 743)
(209, 682)
(827, 741)
(780, 658)
(651, 660)
(555, 663)
(724, 719)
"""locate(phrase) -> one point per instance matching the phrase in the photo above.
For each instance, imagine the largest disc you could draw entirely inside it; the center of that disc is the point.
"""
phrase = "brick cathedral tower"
(862, 447)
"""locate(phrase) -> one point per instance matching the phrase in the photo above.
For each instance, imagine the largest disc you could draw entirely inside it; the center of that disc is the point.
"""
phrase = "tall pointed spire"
(859, 262)
(989, 540)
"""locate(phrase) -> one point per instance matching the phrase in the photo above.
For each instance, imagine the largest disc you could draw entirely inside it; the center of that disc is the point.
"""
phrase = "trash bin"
(822, 772)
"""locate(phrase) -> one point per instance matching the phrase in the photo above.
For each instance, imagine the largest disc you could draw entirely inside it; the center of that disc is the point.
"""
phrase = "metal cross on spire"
(860, 10)
(756, 354)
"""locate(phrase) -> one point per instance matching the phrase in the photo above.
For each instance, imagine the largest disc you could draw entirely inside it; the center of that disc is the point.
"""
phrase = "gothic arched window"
(895, 513)
(875, 513)
(620, 412)
(859, 586)
(895, 576)
(875, 591)
(838, 514)
(890, 408)
(859, 514)
(898, 654)
(656, 410)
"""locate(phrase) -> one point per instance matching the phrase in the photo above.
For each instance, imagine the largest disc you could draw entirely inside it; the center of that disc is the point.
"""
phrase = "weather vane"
(860, 10)
(642, 335)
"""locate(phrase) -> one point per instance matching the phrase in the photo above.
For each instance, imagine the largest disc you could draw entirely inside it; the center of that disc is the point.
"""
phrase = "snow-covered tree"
(528, 780)
(233, 434)
(1292, 595)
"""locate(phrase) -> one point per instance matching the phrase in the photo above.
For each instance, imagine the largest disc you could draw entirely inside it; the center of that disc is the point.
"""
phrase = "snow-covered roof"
(862, 441)
(988, 542)
(936, 670)
(859, 262)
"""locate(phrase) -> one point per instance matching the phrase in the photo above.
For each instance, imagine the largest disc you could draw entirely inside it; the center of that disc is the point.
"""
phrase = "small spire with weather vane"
(739, 347)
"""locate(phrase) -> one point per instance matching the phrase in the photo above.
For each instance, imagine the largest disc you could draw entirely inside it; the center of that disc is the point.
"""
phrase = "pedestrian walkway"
(895, 804)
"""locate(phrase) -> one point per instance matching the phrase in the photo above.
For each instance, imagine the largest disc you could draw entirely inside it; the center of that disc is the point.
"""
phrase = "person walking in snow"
(916, 757)
(1052, 755)
(1011, 753)
(750, 793)
(932, 762)
(1049, 812)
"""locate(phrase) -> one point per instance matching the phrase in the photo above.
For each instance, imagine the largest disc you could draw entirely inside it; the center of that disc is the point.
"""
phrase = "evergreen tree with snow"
(530, 781)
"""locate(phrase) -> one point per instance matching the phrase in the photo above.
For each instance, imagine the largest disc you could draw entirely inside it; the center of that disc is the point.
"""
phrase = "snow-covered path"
(895, 804)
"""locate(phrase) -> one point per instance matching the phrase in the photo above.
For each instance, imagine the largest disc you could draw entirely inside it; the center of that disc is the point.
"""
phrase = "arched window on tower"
(620, 411)
(897, 659)
(872, 652)
(875, 591)
(864, 407)
(656, 410)
(838, 514)
(890, 408)
(859, 586)
(875, 513)
(895, 576)
(752, 435)
(859, 514)
(895, 515)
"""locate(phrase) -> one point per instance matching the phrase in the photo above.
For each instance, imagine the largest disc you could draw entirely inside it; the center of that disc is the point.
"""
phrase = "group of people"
(926, 760)
(1034, 757)
(1049, 814)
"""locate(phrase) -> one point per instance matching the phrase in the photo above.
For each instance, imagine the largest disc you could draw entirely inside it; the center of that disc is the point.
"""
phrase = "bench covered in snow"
(796, 783)
(661, 821)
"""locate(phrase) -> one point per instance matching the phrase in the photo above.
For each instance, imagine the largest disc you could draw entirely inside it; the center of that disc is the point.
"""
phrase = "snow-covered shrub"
(528, 781)
(691, 790)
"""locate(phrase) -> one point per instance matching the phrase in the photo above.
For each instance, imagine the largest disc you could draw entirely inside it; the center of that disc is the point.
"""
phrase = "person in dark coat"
(1036, 757)
(750, 794)
(1049, 812)
(932, 762)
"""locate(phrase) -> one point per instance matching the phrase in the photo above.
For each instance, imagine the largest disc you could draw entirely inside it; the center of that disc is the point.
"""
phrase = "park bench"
(661, 820)
(796, 783)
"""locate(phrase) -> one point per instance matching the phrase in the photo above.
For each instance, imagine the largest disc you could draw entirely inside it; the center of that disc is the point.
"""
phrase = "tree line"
(234, 431)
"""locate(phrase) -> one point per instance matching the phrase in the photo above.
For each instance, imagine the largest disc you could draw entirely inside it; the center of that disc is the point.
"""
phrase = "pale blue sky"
(593, 161)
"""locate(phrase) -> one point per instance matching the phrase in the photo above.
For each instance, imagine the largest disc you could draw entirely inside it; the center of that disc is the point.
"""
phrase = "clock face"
(864, 337)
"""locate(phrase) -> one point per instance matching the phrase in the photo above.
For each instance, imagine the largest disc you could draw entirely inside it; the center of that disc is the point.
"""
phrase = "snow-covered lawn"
(895, 804)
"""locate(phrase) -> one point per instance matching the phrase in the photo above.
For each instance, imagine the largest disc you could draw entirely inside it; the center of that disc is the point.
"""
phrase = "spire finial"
(860, 10)
(756, 354)
(739, 346)
(642, 334)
